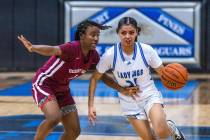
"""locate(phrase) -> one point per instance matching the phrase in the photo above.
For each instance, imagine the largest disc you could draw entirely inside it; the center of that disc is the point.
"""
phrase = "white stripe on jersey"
(42, 91)
(37, 88)
(50, 74)
(48, 70)
(42, 76)
(34, 89)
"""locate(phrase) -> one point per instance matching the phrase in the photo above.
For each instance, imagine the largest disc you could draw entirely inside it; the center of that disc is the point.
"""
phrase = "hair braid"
(82, 27)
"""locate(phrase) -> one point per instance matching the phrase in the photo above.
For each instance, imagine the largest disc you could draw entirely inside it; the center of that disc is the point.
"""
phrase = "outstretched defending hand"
(27, 44)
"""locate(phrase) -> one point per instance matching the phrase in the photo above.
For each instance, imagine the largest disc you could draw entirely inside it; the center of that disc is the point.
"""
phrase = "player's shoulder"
(110, 51)
(146, 47)
(148, 50)
(74, 44)
(71, 45)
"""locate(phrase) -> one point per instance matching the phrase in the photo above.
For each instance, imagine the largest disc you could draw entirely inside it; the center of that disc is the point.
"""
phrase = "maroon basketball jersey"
(59, 70)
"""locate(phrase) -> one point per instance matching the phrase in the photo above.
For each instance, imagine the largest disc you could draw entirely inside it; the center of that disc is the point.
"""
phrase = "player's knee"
(75, 131)
(54, 119)
(147, 137)
(161, 132)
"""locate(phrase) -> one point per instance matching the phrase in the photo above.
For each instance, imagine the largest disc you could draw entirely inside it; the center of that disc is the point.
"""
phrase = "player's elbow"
(56, 51)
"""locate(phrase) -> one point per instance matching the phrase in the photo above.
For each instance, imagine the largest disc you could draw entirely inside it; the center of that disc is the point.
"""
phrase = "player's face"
(127, 34)
(91, 37)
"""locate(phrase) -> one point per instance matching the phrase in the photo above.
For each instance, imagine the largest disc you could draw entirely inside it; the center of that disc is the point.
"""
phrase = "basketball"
(174, 76)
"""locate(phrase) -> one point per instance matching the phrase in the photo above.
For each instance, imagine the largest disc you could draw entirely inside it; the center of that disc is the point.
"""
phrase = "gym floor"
(19, 116)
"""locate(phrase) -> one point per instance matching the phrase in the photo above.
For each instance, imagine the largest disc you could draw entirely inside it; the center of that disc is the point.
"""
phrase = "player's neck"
(128, 49)
(85, 53)
(85, 50)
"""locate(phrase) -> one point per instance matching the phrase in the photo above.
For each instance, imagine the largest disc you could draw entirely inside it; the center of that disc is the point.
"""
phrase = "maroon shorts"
(42, 94)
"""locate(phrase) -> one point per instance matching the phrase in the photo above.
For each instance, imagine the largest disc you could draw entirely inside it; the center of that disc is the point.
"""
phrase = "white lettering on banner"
(169, 23)
(172, 51)
(102, 17)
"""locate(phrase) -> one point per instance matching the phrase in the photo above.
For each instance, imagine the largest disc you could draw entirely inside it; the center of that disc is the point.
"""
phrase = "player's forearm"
(92, 87)
(46, 50)
(159, 70)
(111, 83)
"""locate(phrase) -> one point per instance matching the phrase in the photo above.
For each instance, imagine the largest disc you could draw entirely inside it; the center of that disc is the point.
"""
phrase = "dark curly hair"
(82, 27)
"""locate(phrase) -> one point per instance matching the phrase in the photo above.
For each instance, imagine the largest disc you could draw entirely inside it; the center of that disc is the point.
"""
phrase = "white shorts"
(140, 109)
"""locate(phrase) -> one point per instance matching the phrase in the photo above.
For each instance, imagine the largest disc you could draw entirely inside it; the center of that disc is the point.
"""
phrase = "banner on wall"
(172, 28)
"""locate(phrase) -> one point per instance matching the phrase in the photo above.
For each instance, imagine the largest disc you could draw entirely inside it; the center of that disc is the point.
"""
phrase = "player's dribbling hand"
(27, 44)
(131, 91)
(92, 115)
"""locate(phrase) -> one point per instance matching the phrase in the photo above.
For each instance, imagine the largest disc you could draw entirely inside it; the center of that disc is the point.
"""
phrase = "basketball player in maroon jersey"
(51, 81)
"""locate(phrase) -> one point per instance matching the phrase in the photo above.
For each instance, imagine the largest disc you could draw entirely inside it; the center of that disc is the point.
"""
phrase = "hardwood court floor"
(183, 114)
(192, 112)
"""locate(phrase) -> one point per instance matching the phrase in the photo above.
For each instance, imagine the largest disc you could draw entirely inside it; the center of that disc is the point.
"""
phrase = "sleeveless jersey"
(133, 70)
(59, 70)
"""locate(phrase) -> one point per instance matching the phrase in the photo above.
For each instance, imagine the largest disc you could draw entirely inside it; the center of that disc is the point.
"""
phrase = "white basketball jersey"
(132, 70)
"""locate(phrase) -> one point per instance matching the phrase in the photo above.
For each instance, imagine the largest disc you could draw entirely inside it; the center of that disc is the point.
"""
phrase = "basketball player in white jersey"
(130, 62)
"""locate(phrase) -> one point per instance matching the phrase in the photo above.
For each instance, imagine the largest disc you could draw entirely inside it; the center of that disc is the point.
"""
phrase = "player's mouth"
(128, 41)
(94, 43)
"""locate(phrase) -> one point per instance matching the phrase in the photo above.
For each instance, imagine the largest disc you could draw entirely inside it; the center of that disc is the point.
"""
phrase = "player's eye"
(131, 33)
(123, 33)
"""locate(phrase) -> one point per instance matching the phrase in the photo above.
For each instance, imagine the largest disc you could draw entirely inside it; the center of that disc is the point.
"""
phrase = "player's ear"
(82, 35)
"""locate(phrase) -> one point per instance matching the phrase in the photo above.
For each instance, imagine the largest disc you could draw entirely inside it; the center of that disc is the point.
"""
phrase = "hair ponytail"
(82, 27)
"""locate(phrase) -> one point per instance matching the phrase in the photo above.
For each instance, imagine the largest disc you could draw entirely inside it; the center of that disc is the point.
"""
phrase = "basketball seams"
(171, 87)
(166, 74)
(174, 76)
(177, 71)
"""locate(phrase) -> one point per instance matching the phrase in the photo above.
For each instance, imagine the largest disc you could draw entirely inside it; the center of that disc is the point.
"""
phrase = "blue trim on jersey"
(142, 54)
(121, 53)
(134, 52)
(115, 56)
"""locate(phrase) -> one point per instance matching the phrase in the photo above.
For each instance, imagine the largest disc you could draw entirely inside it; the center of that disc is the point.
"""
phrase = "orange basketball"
(174, 76)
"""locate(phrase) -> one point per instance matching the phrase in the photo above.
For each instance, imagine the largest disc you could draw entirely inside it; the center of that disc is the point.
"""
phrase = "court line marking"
(54, 132)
